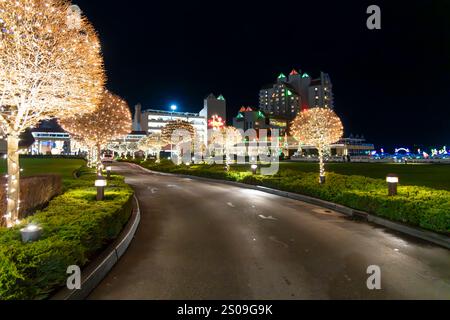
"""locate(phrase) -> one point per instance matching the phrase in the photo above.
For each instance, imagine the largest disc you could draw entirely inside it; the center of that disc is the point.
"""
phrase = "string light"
(152, 144)
(111, 120)
(172, 127)
(232, 137)
(47, 69)
(318, 127)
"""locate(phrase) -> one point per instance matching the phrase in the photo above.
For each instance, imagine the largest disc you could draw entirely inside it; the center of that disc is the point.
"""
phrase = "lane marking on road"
(231, 205)
(274, 239)
(153, 190)
(268, 218)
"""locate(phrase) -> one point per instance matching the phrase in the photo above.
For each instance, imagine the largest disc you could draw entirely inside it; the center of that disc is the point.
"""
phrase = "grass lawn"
(436, 176)
(428, 175)
(31, 167)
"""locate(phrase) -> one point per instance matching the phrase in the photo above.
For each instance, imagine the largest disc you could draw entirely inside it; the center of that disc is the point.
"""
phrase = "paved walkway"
(200, 240)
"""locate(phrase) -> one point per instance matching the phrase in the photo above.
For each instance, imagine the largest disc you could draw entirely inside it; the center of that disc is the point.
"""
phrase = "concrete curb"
(97, 270)
(429, 236)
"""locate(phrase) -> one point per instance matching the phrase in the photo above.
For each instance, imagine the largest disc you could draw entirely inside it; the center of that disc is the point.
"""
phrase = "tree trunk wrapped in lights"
(152, 144)
(177, 126)
(50, 66)
(111, 120)
(232, 138)
(318, 127)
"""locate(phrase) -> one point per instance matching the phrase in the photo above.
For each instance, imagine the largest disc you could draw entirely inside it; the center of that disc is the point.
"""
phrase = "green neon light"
(282, 76)
(221, 98)
(306, 76)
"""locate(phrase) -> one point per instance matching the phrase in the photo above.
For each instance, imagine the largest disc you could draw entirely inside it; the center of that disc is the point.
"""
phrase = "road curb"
(429, 236)
(97, 270)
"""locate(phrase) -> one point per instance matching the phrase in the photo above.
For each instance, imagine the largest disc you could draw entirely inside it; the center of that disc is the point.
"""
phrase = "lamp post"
(108, 172)
(173, 108)
(100, 183)
(392, 180)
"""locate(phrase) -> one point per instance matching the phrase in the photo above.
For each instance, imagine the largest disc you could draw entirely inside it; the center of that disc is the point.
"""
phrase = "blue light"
(173, 107)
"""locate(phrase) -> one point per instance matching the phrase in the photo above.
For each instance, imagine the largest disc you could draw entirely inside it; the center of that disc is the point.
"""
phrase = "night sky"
(392, 85)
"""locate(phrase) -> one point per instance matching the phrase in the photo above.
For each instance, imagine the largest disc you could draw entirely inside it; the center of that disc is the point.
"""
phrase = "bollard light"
(254, 168)
(108, 172)
(31, 233)
(392, 180)
(100, 183)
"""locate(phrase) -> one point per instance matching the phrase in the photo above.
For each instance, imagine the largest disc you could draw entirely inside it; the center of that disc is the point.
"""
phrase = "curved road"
(200, 240)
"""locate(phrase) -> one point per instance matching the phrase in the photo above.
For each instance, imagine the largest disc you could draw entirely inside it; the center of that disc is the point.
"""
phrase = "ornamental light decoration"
(152, 144)
(48, 68)
(171, 129)
(111, 120)
(318, 127)
(216, 123)
(232, 138)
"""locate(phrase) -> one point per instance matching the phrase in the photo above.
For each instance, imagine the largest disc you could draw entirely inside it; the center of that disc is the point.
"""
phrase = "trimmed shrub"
(75, 228)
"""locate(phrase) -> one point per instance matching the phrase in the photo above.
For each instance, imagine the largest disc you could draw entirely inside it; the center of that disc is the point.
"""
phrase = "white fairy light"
(318, 127)
(48, 69)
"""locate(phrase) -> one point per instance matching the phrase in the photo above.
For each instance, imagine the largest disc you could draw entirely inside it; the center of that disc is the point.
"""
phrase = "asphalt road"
(200, 240)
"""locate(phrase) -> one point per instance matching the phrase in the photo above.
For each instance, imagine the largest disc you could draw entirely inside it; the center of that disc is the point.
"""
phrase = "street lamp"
(100, 183)
(174, 108)
(392, 180)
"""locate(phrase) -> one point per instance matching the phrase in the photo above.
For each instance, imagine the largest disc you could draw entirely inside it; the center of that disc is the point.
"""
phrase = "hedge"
(416, 206)
(75, 228)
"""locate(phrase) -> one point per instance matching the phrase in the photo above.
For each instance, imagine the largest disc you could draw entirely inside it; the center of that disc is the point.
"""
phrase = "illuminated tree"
(152, 144)
(132, 147)
(111, 120)
(173, 126)
(118, 147)
(232, 137)
(179, 126)
(50, 66)
(318, 127)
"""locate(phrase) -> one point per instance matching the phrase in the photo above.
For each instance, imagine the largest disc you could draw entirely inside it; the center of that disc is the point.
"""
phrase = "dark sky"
(390, 85)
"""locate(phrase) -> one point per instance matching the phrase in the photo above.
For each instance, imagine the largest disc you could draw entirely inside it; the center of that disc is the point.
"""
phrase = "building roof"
(49, 130)
(138, 133)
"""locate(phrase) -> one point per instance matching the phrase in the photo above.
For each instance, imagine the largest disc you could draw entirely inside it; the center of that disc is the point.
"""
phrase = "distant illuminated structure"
(290, 95)
(153, 120)
(216, 123)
